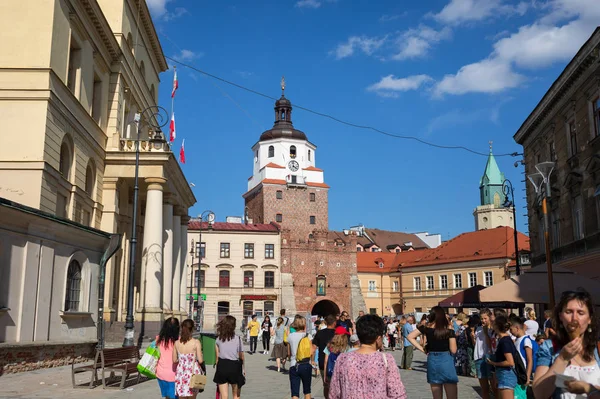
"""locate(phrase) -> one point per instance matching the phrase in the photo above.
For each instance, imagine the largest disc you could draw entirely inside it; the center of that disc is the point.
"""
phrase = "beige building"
(380, 289)
(240, 270)
(73, 75)
(564, 128)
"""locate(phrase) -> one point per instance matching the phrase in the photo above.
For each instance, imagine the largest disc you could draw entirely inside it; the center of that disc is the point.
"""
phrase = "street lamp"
(508, 189)
(210, 217)
(541, 181)
(157, 117)
(192, 252)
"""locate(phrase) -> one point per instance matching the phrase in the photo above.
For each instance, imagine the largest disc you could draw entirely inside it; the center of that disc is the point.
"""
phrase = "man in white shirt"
(392, 327)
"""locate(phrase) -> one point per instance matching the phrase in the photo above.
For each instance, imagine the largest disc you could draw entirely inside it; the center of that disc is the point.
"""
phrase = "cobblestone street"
(263, 381)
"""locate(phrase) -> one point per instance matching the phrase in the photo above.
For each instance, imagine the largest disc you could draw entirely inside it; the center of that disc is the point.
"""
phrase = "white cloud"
(178, 12)
(417, 42)
(308, 4)
(187, 55)
(392, 17)
(461, 11)
(389, 85)
(491, 75)
(365, 44)
(157, 7)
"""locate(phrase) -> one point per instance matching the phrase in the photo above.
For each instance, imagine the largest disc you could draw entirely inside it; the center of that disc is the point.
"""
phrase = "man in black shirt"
(320, 341)
(345, 322)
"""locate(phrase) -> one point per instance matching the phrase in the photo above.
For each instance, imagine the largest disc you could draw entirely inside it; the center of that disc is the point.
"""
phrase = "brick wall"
(15, 358)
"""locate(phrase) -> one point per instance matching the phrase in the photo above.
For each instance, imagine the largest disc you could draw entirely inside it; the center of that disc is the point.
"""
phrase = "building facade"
(380, 289)
(564, 128)
(240, 270)
(287, 188)
(73, 76)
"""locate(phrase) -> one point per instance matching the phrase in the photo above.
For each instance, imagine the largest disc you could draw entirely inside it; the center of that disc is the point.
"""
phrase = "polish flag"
(172, 133)
(175, 83)
(182, 152)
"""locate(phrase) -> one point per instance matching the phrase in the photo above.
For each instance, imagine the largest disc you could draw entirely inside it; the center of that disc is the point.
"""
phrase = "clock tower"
(286, 187)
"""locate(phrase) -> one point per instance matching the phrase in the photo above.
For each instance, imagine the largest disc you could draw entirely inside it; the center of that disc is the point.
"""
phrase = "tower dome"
(283, 127)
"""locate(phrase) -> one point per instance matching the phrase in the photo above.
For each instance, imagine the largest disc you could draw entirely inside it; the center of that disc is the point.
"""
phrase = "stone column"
(109, 224)
(175, 278)
(183, 280)
(152, 252)
(167, 281)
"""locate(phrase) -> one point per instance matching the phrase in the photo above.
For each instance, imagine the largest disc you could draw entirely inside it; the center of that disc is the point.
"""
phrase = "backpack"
(331, 363)
(285, 335)
(304, 349)
(534, 349)
(520, 369)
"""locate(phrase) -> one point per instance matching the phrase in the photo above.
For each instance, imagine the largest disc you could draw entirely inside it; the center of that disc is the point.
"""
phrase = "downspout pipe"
(113, 246)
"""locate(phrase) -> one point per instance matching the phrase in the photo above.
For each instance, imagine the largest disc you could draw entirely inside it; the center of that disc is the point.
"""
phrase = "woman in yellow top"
(254, 327)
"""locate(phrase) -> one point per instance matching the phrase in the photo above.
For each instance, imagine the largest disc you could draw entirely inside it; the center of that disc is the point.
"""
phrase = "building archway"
(325, 308)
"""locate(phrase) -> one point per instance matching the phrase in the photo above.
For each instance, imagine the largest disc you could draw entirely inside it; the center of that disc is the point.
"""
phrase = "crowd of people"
(511, 356)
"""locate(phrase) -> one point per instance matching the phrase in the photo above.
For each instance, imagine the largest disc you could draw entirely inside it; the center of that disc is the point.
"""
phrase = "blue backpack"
(534, 349)
(331, 363)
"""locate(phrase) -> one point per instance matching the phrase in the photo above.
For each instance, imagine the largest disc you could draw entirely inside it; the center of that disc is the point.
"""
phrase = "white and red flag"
(182, 152)
(172, 132)
(175, 83)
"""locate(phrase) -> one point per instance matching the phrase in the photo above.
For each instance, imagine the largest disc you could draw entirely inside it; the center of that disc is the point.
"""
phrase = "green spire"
(490, 185)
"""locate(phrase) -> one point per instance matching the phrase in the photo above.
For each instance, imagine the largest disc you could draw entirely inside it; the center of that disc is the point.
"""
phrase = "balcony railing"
(146, 145)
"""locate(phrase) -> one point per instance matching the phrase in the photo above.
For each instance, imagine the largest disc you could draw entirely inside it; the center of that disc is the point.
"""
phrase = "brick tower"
(287, 188)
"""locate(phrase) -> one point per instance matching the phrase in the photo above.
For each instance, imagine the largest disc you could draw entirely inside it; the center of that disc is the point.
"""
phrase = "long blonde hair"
(339, 343)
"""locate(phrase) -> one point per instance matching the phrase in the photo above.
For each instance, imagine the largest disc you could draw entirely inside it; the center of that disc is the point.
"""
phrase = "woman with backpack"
(299, 349)
(571, 351)
(337, 346)
(504, 359)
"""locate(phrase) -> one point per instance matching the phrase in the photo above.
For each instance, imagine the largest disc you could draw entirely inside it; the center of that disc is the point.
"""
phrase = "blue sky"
(452, 72)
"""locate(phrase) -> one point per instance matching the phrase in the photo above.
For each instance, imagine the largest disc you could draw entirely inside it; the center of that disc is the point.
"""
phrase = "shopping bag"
(198, 381)
(148, 362)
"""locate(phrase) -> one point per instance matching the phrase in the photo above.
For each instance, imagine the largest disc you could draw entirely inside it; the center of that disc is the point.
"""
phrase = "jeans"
(300, 372)
(507, 377)
(253, 343)
(407, 357)
(392, 341)
(440, 368)
(266, 341)
(471, 368)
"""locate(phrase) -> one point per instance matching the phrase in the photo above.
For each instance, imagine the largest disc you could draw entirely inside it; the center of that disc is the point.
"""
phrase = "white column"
(152, 252)
(167, 283)
(175, 278)
(183, 280)
(109, 224)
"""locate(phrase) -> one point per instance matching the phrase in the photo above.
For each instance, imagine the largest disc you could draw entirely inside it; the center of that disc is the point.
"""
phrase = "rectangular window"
(74, 66)
(61, 206)
(248, 279)
(395, 286)
(458, 280)
(488, 278)
(313, 220)
(552, 151)
(202, 273)
(248, 309)
(372, 285)
(269, 251)
(596, 107)
(578, 227)
(372, 310)
(201, 250)
(444, 282)
(279, 218)
(97, 99)
(555, 226)
(312, 197)
(279, 194)
(430, 285)
(269, 307)
(269, 279)
(472, 279)
(224, 278)
(572, 135)
(417, 283)
(225, 250)
(249, 251)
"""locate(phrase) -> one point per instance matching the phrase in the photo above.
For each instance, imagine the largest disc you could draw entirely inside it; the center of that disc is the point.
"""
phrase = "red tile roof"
(313, 169)
(467, 247)
(273, 165)
(222, 226)
(281, 181)
(386, 240)
(368, 262)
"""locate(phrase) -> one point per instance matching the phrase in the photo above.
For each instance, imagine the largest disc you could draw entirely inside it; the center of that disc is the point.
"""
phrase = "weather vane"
(490, 142)
(282, 85)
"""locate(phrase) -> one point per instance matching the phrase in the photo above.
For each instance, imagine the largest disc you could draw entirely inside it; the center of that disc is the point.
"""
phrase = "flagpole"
(172, 96)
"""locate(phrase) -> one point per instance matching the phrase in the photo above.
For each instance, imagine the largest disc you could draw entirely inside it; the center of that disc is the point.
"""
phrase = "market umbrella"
(532, 286)
(469, 298)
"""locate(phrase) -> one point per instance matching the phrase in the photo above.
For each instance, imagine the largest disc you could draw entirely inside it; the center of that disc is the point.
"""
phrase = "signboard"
(195, 296)
(259, 297)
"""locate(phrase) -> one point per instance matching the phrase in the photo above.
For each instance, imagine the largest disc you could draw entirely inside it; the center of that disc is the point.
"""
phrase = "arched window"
(293, 151)
(90, 178)
(224, 278)
(497, 200)
(222, 310)
(282, 115)
(248, 279)
(309, 156)
(271, 151)
(65, 160)
(130, 41)
(73, 291)
(269, 307)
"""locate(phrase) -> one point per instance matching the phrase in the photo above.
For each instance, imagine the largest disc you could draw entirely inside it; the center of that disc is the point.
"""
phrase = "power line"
(324, 115)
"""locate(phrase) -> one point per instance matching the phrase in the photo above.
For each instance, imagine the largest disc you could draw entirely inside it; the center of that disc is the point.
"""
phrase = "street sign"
(195, 296)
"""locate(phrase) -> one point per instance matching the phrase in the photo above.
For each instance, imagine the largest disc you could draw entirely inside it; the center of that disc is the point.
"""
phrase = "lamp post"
(541, 181)
(157, 117)
(192, 252)
(210, 218)
(508, 189)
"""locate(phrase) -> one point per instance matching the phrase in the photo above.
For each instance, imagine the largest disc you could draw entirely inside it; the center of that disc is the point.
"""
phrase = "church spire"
(490, 185)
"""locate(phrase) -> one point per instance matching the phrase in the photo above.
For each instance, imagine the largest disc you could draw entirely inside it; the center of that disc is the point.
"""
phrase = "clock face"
(293, 165)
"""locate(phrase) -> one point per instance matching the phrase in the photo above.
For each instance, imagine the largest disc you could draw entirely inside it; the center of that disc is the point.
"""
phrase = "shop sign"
(195, 296)
(259, 297)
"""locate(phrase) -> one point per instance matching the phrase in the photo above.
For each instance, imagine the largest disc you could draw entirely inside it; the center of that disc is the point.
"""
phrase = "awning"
(470, 298)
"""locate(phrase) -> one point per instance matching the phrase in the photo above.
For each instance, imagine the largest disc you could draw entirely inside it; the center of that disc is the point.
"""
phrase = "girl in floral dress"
(187, 355)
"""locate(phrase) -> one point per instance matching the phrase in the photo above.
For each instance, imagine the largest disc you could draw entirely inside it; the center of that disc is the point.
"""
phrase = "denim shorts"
(440, 368)
(506, 377)
(482, 368)
(301, 372)
(167, 388)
